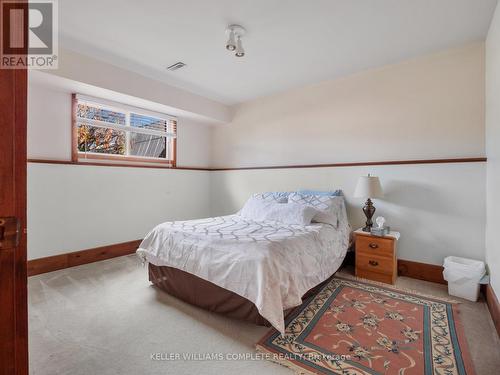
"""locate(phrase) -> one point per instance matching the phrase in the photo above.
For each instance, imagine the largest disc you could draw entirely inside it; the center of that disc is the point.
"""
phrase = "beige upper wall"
(430, 107)
(49, 129)
(493, 150)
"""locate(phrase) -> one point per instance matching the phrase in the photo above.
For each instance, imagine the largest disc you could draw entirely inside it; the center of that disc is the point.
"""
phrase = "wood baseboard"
(415, 270)
(434, 273)
(421, 271)
(493, 306)
(77, 258)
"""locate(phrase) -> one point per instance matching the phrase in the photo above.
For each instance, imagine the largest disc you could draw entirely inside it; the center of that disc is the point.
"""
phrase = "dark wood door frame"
(13, 278)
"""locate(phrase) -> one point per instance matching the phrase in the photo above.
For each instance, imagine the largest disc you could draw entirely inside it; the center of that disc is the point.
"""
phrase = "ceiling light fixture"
(234, 43)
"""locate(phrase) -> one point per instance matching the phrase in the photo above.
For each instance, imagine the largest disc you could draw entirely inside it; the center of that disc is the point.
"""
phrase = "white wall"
(493, 149)
(430, 107)
(73, 207)
(439, 208)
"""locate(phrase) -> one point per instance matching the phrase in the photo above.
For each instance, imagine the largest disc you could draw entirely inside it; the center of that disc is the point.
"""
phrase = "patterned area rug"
(353, 327)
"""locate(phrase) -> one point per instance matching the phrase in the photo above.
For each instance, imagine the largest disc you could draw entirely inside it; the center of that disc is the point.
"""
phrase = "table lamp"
(368, 187)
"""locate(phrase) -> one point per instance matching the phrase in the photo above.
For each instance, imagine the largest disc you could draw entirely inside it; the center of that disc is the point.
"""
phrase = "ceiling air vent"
(176, 66)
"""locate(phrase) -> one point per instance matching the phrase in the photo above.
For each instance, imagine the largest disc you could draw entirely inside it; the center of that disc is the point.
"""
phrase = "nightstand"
(376, 257)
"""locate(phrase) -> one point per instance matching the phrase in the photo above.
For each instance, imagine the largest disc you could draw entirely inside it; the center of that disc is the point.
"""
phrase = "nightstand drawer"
(374, 263)
(375, 245)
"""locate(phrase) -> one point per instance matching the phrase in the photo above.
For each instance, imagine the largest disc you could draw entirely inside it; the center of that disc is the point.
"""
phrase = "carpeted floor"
(105, 318)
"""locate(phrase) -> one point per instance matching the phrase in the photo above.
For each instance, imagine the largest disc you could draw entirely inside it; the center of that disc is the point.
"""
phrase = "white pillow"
(272, 196)
(287, 213)
(329, 208)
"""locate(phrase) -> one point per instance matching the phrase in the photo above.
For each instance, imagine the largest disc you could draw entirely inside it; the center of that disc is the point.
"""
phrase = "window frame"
(79, 157)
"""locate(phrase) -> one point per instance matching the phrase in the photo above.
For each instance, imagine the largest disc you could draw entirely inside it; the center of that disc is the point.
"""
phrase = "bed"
(244, 268)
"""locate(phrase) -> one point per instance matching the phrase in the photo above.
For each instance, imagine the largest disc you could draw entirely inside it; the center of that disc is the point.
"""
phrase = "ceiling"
(290, 43)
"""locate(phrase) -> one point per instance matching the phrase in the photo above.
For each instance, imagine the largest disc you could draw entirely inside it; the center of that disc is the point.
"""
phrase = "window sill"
(82, 157)
(131, 161)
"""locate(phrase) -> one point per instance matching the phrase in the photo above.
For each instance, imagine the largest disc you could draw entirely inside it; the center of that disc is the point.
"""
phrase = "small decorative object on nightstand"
(381, 229)
(376, 257)
(368, 187)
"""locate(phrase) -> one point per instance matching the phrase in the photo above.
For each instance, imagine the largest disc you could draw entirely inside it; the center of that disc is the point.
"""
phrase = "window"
(110, 131)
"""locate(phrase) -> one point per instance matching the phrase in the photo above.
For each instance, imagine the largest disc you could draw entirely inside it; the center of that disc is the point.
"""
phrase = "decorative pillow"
(329, 208)
(333, 193)
(273, 196)
(287, 213)
(292, 213)
(342, 213)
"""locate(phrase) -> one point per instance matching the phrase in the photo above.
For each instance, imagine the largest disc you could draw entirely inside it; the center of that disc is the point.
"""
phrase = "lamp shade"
(368, 187)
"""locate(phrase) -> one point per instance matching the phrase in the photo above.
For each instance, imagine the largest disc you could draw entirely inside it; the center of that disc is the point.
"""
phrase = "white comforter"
(267, 262)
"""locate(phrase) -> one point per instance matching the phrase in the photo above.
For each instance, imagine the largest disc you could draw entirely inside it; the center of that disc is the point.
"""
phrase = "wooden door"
(13, 279)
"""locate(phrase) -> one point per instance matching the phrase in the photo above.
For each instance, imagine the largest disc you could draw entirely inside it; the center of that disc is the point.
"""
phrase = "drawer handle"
(373, 245)
(373, 263)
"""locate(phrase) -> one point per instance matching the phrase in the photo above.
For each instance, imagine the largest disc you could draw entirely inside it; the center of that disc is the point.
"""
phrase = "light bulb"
(231, 44)
(240, 52)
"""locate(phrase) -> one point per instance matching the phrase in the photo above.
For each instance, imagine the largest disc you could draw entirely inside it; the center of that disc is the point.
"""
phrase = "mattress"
(269, 263)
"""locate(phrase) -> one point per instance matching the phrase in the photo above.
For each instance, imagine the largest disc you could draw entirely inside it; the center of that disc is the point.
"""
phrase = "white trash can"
(463, 276)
